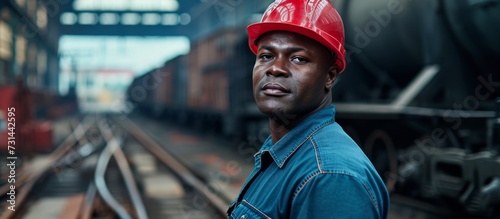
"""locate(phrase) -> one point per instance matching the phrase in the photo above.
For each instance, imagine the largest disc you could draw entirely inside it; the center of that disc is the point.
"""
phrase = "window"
(126, 5)
(21, 3)
(5, 41)
(20, 50)
(41, 18)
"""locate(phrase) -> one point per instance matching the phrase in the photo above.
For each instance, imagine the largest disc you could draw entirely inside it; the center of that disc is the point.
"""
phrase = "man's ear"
(330, 77)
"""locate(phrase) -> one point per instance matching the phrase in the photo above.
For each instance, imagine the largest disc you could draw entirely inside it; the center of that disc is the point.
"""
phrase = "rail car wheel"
(380, 149)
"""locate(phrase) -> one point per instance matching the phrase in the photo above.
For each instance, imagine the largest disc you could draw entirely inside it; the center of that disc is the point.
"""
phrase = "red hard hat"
(316, 19)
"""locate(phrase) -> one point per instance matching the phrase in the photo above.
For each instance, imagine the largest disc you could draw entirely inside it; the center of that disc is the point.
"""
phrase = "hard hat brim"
(257, 29)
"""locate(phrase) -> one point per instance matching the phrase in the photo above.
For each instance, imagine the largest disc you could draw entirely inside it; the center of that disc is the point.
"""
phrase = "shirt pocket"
(245, 210)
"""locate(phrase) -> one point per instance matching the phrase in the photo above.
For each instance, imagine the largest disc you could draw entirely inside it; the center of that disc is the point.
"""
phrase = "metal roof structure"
(149, 17)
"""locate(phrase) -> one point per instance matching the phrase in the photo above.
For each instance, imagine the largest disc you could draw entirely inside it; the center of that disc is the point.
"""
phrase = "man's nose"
(278, 68)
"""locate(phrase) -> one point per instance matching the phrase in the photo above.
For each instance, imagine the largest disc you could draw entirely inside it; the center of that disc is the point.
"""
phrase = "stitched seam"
(303, 141)
(303, 184)
(254, 208)
(372, 197)
(316, 153)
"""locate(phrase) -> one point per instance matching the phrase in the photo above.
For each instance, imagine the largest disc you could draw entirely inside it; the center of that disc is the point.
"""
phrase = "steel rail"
(126, 172)
(113, 149)
(100, 182)
(27, 183)
(121, 160)
(171, 162)
(88, 204)
(64, 147)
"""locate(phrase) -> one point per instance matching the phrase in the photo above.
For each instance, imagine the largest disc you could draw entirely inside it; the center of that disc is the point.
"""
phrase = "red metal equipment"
(17, 123)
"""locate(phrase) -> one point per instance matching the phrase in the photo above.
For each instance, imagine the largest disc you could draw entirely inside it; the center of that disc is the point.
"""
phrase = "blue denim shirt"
(315, 171)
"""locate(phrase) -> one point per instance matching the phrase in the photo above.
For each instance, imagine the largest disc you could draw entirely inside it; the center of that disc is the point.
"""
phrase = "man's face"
(290, 73)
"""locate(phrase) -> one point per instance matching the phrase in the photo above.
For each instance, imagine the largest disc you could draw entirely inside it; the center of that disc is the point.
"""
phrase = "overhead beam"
(165, 27)
(128, 30)
(143, 23)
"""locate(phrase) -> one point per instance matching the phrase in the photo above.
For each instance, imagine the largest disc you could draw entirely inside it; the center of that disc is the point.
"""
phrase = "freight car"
(419, 95)
(208, 89)
(161, 91)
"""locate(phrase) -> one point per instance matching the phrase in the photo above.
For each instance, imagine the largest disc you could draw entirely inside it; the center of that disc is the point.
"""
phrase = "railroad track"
(181, 192)
(112, 176)
(76, 182)
(50, 181)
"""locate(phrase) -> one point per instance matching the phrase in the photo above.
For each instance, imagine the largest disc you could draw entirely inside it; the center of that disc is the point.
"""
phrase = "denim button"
(243, 217)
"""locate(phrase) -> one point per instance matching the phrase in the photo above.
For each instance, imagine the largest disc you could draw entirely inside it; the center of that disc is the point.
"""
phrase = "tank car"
(420, 96)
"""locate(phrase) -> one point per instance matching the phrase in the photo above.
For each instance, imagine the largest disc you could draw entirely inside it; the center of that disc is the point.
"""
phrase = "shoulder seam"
(316, 153)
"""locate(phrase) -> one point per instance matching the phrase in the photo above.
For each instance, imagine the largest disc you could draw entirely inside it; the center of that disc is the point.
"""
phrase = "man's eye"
(265, 57)
(298, 59)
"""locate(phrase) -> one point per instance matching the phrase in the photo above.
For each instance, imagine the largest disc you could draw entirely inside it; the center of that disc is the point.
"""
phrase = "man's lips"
(274, 89)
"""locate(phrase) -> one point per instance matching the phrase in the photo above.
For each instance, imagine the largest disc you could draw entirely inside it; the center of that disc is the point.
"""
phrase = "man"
(309, 167)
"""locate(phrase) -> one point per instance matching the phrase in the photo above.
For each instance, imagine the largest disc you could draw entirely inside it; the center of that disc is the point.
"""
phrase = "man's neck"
(280, 124)
(278, 130)
(280, 127)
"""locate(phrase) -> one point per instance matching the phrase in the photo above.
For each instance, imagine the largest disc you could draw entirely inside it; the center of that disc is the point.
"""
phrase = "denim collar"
(286, 146)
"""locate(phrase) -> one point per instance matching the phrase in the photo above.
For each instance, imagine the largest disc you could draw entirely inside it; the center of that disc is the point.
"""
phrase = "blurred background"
(144, 108)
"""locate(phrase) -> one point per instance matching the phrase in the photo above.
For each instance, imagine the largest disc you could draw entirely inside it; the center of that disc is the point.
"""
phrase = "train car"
(140, 95)
(243, 119)
(161, 91)
(208, 83)
(419, 95)
(171, 94)
(194, 89)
